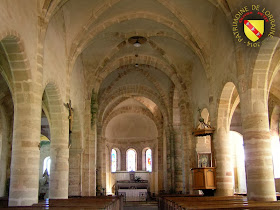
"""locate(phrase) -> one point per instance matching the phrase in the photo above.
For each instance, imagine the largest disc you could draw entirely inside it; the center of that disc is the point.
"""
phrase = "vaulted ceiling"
(180, 34)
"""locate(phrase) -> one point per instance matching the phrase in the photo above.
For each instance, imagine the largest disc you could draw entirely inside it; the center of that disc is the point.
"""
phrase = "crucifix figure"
(71, 118)
(71, 115)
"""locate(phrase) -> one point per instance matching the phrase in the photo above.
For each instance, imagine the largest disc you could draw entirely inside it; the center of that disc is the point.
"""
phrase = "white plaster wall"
(78, 93)
(55, 66)
(200, 11)
(222, 56)
(134, 78)
(131, 126)
(200, 90)
(73, 18)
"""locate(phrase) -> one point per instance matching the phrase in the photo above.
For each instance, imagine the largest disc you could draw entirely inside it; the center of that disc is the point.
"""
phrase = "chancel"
(108, 102)
(134, 189)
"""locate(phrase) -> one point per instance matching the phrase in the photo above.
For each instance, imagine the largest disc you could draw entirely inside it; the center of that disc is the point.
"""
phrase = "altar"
(133, 194)
(133, 186)
(127, 184)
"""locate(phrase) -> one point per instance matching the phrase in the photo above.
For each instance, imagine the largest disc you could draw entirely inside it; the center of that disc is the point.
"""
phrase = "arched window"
(131, 160)
(149, 160)
(114, 160)
(47, 165)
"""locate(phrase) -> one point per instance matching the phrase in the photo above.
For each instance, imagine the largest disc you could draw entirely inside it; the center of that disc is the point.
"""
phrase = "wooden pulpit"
(204, 178)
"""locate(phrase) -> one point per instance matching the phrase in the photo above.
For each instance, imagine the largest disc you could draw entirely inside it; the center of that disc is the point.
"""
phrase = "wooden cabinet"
(204, 178)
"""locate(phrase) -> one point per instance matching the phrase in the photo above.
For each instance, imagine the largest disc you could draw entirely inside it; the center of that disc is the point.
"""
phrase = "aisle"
(140, 205)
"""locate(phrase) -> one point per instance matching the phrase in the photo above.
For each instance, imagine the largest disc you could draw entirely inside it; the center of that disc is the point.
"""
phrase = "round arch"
(146, 62)
(264, 68)
(17, 69)
(225, 106)
(132, 91)
(221, 141)
(144, 72)
(59, 151)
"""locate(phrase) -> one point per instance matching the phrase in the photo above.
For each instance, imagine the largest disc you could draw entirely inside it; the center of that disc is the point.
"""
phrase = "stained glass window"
(149, 160)
(114, 160)
(131, 160)
(47, 165)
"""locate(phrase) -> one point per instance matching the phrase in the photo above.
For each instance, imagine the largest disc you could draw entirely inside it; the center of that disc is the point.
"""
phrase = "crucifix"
(71, 115)
(71, 118)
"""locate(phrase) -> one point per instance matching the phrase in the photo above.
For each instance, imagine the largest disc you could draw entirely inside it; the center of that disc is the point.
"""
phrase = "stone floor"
(151, 205)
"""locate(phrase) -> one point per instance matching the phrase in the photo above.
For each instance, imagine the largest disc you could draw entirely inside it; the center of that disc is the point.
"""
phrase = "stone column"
(188, 147)
(159, 159)
(25, 152)
(89, 155)
(123, 159)
(166, 177)
(59, 174)
(155, 169)
(75, 157)
(92, 161)
(258, 157)
(101, 162)
(5, 150)
(189, 158)
(139, 159)
(223, 155)
(178, 146)
(170, 158)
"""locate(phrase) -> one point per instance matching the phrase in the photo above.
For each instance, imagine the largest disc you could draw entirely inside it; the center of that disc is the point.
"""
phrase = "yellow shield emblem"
(254, 29)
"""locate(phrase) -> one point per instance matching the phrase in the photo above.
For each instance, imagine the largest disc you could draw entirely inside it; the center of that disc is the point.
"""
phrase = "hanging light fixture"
(137, 44)
(136, 64)
(137, 41)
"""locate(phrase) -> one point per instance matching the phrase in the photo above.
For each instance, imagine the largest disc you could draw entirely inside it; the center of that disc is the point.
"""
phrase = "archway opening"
(228, 102)
(238, 153)
(129, 124)
(274, 119)
(45, 160)
(56, 112)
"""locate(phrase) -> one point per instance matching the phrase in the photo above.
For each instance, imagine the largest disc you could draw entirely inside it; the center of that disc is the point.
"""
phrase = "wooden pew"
(100, 202)
(198, 202)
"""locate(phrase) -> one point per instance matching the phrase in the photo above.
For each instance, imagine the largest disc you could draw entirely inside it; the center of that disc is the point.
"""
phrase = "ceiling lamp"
(137, 44)
(137, 41)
